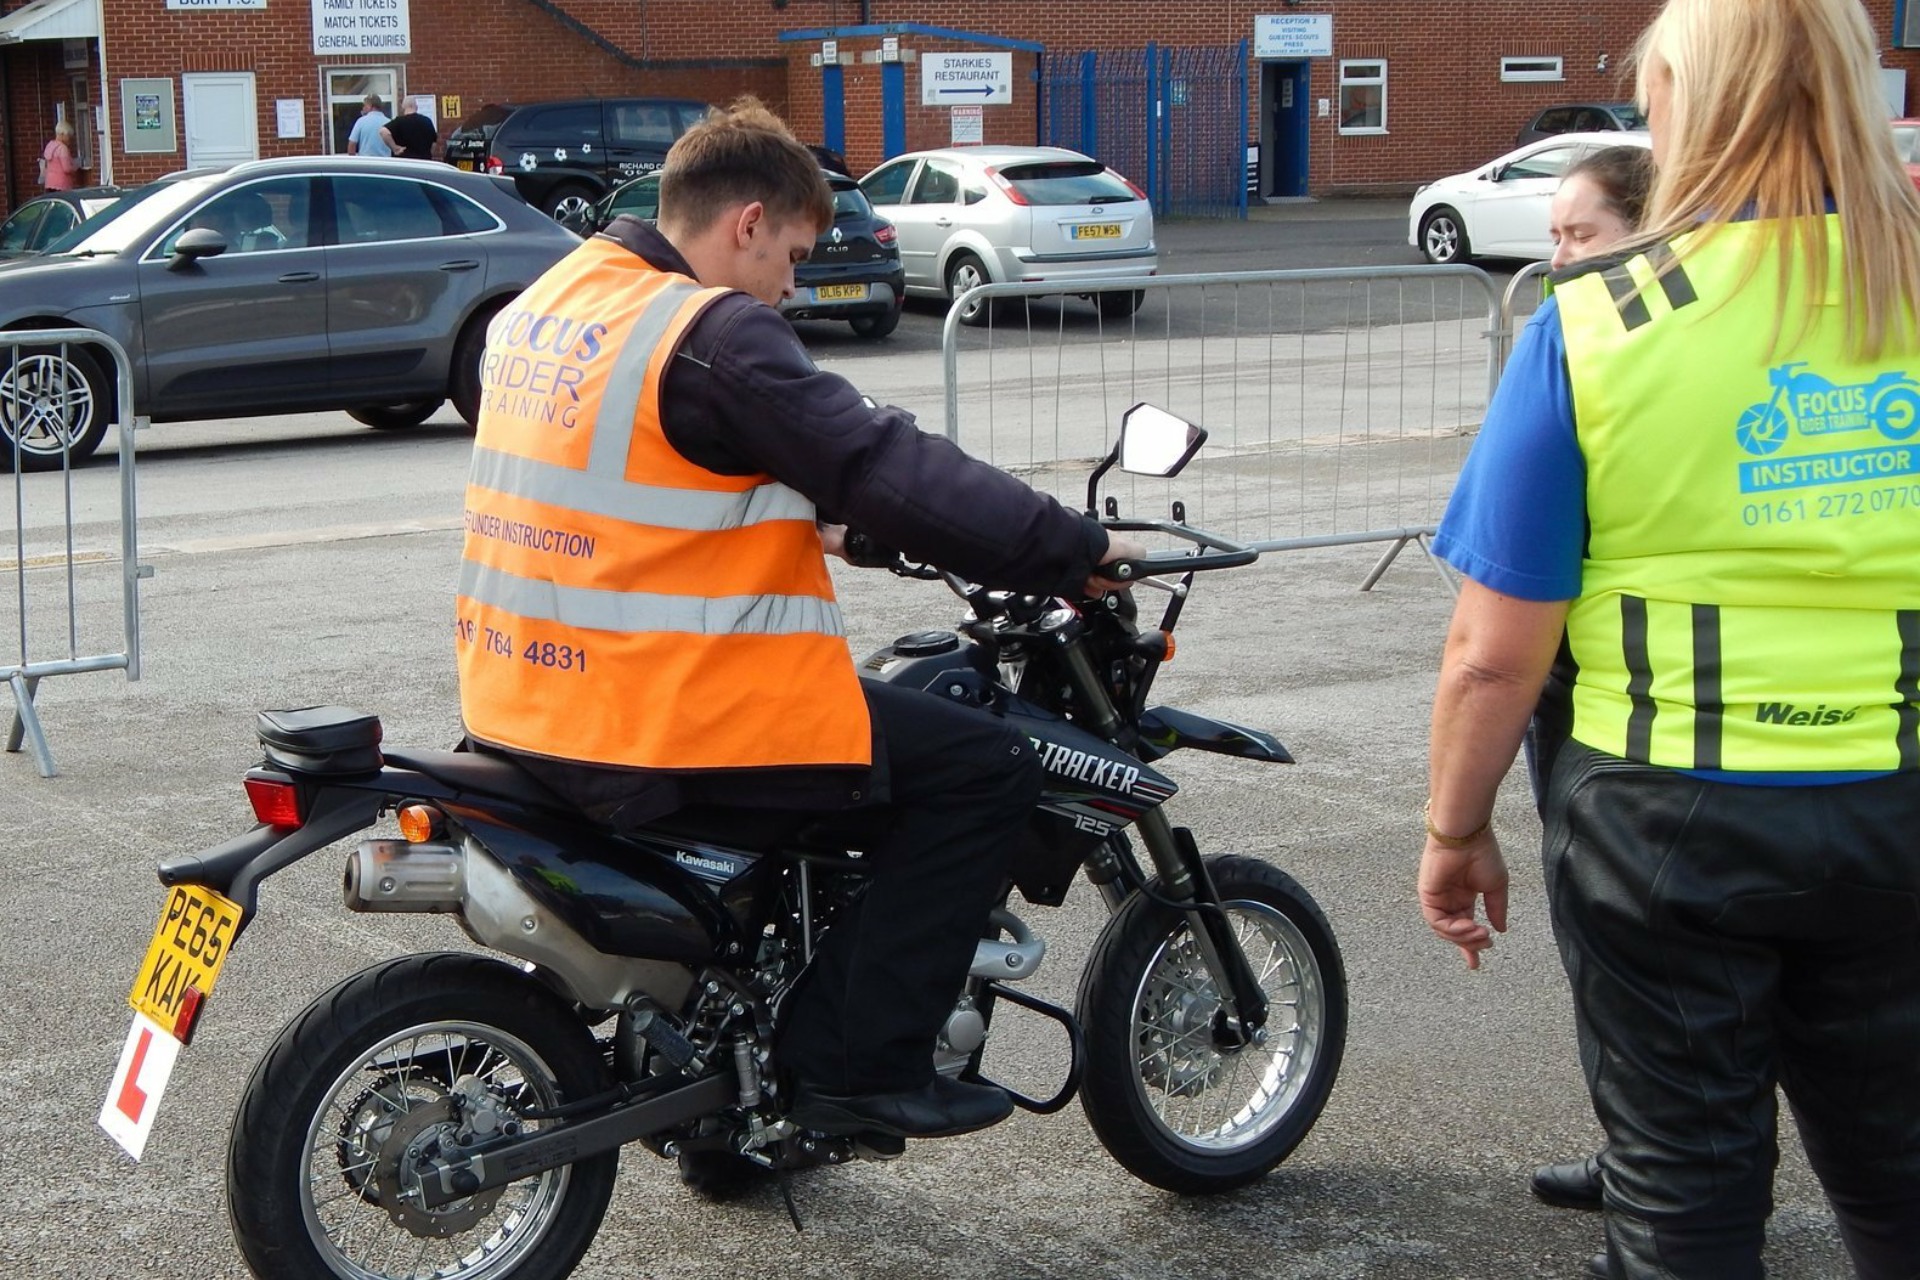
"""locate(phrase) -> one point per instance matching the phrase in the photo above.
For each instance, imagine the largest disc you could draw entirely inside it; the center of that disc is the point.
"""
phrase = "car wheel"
(963, 273)
(1118, 306)
(572, 207)
(463, 382)
(1443, 237)
(395, 417)
(876, 326)
(55, 403)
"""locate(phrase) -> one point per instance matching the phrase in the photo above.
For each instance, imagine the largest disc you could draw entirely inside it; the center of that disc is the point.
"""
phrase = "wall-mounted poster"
(146, 116)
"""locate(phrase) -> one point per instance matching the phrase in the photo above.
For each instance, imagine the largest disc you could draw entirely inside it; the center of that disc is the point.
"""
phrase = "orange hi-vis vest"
(618, 604)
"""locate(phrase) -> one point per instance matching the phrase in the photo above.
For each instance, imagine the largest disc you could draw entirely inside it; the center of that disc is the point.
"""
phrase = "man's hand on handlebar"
(1118, 548)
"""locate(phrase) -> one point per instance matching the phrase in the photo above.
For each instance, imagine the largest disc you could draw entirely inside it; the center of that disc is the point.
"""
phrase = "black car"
(565, 156)
(44, 219)
(276, 286)
(854, 273)
(1580, 117)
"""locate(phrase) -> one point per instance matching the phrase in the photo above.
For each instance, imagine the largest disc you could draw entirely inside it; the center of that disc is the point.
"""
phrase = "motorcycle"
(465, 1114)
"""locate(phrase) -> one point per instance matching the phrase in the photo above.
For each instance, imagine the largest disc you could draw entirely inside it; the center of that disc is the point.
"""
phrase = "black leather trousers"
(1721, 940)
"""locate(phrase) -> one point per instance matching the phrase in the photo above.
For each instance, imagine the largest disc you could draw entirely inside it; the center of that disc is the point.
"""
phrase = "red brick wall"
(36, 77)
(1446, 106)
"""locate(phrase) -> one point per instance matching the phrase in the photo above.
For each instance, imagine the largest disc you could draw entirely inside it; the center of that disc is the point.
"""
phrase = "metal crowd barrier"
(1339, 403)
(1523, 297)
(52, 615)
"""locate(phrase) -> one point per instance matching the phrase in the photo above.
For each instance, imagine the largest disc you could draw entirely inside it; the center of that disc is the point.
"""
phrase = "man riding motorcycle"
(646, 621)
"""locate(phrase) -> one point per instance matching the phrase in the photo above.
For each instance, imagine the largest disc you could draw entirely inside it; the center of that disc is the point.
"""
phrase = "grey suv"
(275, 286)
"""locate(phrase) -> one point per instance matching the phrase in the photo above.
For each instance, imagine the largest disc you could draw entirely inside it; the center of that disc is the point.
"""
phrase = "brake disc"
(416, 1135)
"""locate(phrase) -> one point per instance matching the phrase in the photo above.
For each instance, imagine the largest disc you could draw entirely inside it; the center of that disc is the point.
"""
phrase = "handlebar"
(1221, 553)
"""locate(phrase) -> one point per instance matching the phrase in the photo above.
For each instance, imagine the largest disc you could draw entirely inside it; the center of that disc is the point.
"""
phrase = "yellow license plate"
(840, 292)
(1097, 231)
(464, 164)
(189, 946)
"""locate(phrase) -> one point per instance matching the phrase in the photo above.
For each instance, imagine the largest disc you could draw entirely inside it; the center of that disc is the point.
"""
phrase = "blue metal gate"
(1173, 120)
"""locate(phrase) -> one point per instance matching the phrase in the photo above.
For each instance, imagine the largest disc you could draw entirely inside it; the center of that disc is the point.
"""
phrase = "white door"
(221, 127)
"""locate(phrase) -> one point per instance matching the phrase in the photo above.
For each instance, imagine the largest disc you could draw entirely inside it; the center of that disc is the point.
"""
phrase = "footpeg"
(879, 1146)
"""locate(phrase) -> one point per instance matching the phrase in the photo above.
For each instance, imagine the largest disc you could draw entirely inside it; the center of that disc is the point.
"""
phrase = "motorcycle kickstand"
(785, 1179)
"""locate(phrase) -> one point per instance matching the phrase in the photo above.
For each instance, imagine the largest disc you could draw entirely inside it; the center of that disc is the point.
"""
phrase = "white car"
(987, 215)
(1500, 210)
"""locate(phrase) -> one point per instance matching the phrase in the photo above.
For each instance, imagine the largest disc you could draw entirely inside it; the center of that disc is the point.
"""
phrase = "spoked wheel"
(324, 1168)
(1167, 1099)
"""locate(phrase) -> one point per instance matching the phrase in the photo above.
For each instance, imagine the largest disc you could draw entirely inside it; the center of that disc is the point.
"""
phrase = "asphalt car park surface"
(308, 559)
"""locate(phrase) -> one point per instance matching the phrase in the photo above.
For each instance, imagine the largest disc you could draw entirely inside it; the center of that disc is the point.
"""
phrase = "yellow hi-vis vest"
(618, 604)
(1750, 598)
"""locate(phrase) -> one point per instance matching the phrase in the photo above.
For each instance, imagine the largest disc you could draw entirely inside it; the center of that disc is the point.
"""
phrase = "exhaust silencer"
(393, 875)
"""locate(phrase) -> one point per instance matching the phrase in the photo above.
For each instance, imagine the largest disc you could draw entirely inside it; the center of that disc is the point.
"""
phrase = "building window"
(1521, 70)
(1363, 97)
(1906, 24)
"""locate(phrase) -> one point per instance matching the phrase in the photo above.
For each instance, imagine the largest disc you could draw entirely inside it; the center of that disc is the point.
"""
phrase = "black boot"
(1597, 1267)
(1574, 1185)
(942, 1108)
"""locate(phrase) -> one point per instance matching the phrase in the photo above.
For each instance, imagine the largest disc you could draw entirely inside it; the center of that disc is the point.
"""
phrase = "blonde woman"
(1716, 434)
(58, 168)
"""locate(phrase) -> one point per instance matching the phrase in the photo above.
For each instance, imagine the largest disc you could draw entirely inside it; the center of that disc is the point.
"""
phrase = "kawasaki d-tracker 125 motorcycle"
(454, 1115)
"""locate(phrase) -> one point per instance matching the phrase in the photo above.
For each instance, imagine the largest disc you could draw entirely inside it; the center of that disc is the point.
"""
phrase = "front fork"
(1183, 879)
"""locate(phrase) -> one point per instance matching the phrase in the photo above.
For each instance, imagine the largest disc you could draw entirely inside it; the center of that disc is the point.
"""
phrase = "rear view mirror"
(1154, 442)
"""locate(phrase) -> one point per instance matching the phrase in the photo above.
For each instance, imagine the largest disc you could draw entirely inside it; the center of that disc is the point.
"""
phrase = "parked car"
(1500, 209)
(565, 156)
(44, 219)
(1906, 140)
(1581, 117)
(853, 274)
(273, 286)
(984, 215)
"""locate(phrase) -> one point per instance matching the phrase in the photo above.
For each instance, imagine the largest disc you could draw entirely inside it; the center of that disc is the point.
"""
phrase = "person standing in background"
(366, 138)
(410, 135)
(1729, 857)
(58, 167)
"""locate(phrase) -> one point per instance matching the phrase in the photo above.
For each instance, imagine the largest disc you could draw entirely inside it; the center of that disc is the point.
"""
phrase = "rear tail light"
(495, 166)
(1131, 185)
(885, 233)
(1001, 181)
(276, 801)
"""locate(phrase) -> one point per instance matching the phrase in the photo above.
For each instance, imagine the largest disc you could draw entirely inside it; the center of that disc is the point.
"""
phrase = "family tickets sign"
(362, 26)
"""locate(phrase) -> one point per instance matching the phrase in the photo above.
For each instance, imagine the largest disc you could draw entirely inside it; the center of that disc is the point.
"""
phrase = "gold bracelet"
(1452, 842)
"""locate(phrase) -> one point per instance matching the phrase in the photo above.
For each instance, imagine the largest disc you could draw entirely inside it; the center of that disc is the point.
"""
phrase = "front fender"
(1164, 730)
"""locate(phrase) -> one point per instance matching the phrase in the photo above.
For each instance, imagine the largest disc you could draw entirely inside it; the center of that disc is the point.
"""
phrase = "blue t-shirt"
(366, 132)
(1517, 522)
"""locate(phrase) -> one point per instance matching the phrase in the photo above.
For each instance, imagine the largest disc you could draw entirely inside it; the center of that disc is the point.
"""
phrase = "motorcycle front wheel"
(321, 1180)
(1165, 1098)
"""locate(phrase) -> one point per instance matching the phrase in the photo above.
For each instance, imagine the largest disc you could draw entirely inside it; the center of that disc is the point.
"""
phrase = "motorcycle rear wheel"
(1173, 1108)
(313, 1162)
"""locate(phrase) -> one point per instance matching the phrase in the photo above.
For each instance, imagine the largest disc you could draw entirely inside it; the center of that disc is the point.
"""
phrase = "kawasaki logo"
(1082, 767)
(698, 862)
(1787, 713)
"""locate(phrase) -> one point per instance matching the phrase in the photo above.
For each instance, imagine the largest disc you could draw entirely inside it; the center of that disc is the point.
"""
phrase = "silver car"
(988, 215)
(274, 286)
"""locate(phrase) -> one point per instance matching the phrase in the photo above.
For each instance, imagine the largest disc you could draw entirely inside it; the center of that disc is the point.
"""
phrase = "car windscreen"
(137, 216)
(850, 202)
(1905, 138)
(1630, 117)
(1067, 182)
(485, 118)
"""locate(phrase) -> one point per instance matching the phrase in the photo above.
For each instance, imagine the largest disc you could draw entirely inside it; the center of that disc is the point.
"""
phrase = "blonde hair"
(1775, 107)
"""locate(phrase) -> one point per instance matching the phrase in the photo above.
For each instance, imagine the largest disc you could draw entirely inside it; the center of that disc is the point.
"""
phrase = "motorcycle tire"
(1155, 1078)
(363, 1073)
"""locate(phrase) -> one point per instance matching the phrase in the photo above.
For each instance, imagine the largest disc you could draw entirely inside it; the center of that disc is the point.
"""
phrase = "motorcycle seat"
(480, 774)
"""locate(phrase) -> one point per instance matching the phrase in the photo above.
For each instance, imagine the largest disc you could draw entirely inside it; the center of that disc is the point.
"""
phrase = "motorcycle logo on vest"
(1806, 404)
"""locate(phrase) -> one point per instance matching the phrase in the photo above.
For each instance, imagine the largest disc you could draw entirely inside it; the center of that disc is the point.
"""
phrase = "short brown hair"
(738, 154)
